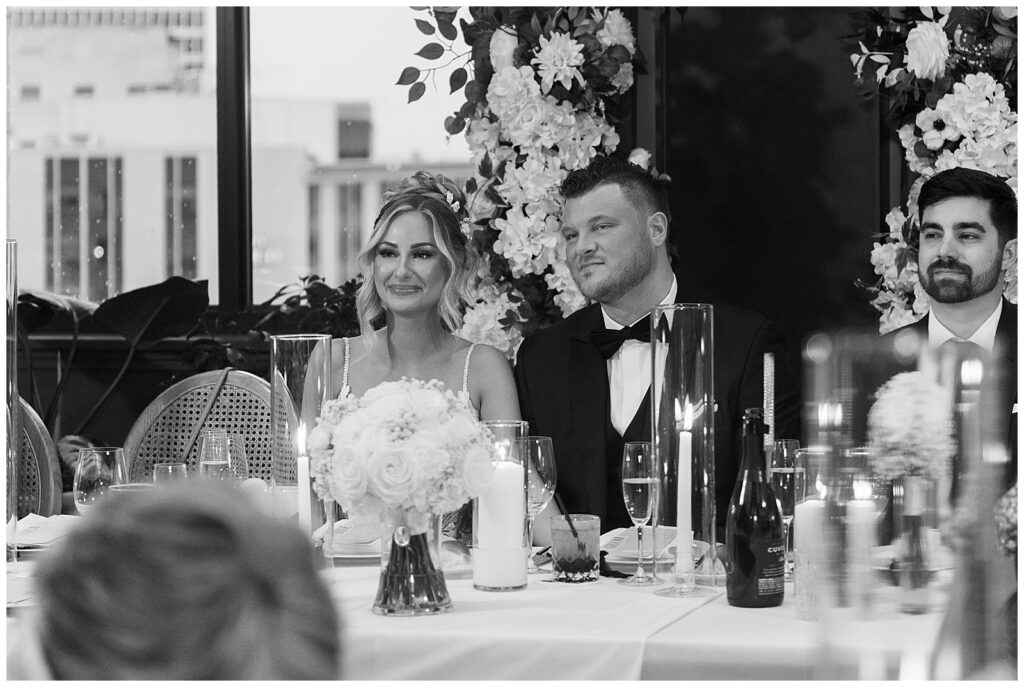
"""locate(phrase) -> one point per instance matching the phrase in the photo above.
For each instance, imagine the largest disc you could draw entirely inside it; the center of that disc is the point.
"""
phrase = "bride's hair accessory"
(452, 203)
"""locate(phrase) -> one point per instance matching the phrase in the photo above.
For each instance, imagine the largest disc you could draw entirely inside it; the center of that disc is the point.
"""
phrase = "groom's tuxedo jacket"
(1006, 349)
(562, 381)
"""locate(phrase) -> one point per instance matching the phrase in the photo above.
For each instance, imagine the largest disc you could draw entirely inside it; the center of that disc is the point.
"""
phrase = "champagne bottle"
(754, 539)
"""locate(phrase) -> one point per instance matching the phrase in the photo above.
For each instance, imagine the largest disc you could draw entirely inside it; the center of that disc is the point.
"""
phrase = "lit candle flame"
(971, 372)
(861, 489)
(300, 438)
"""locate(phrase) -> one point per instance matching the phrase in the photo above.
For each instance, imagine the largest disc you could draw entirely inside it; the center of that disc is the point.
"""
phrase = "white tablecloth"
(550, 630)
(597, 630)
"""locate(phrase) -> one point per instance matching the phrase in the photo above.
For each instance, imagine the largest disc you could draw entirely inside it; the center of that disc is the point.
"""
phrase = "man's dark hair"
(961, 181)
(636, 183)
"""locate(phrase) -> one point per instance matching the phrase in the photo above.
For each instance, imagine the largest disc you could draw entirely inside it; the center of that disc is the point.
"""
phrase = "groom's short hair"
(636, 183)
(961, 181)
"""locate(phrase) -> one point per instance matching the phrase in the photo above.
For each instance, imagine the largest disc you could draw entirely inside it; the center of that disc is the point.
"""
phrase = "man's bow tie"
(609, 340)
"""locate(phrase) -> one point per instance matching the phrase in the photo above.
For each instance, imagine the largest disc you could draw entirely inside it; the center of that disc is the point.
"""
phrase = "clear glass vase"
(914, 547)
(411, 580)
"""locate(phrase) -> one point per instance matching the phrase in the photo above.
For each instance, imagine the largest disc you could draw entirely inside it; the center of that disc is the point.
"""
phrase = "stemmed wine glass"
(789, 484)
(640, 492)
(539, 458)
(97, 471)
(213, 454)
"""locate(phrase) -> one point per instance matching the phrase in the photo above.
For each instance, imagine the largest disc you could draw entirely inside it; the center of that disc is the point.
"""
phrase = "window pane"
(102, 103)
(331, 131)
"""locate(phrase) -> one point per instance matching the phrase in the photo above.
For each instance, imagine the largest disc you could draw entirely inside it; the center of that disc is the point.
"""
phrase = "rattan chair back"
(168, 429)
(39, 485)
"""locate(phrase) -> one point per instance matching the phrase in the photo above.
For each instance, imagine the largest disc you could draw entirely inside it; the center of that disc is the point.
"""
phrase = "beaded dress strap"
(344, 369)
(465, 370)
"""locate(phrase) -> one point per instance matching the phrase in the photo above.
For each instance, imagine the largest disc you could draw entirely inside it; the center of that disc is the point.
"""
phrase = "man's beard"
(615, 286)
(946, 290)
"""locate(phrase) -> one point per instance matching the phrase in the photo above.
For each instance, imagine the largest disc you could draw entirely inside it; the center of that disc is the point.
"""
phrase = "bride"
(417, 268)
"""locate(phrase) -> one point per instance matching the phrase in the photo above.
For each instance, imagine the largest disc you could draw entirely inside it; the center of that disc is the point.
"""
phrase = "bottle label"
(772, 577)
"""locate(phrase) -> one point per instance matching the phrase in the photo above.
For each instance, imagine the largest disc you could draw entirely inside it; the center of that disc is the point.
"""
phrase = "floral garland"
(539, 83)
(950, 76)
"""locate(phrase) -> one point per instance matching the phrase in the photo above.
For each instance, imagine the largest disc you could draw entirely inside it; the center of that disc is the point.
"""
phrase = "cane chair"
(39, 486)
(168, 429)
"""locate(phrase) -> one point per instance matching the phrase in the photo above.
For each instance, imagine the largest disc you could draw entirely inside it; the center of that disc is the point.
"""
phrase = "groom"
(585, 380)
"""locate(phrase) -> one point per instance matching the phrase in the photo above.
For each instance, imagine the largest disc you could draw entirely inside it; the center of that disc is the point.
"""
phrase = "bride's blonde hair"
(443, 204)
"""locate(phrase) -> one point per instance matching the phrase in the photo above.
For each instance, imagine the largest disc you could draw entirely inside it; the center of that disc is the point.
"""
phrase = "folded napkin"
(356, 538)
(35, 531)
(621, 544)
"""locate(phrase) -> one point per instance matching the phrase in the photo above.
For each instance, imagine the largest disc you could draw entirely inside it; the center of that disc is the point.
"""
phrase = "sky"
(357, 54)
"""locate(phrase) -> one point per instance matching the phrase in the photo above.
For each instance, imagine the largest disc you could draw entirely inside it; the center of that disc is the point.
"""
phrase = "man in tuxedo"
(968, 241)
(585, 380)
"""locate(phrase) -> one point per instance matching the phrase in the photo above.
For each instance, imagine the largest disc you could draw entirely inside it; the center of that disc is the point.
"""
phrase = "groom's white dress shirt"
(629, 371)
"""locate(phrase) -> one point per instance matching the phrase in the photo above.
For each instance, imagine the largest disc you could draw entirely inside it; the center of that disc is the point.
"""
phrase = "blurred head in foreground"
(188, 581)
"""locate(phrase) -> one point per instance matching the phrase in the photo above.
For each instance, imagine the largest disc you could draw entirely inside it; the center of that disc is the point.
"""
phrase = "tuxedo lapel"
(588, 400)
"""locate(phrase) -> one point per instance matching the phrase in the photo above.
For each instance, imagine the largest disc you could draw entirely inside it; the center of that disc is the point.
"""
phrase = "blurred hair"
(425, 193)
(961, 181)
(186, 581)
(636, 183)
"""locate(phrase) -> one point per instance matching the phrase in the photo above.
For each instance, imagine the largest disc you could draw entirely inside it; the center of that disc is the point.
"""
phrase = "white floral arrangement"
(1006, 521)
(910, 428)
(408, 443)
(946, 71)
(542, 78)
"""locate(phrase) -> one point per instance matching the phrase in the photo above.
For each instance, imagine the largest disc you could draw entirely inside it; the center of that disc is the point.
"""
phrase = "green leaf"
(170, 308)
(475, 91)
(447, 29)
(416, 91)
(425, 27)
(457, 79)
(431, 51)
(454, 125)
(471, 185)
(409, 75)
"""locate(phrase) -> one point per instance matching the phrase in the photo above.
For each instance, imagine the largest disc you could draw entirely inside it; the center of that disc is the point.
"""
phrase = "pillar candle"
(860, 520)
(302, 480)
(769, 404)
(684, 526)
(502, 509)
(808, 542)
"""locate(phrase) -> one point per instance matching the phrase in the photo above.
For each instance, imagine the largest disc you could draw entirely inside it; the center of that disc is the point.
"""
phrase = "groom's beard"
(951, 290)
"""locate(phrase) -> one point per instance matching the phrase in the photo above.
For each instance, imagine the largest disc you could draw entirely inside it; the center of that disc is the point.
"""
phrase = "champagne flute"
(789, 484)
(97, 470)
(238, 463)
(539, 457)
(640, 493)
(213, 454)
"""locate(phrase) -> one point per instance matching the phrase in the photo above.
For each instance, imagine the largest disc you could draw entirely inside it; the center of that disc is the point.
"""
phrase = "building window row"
(185, 17)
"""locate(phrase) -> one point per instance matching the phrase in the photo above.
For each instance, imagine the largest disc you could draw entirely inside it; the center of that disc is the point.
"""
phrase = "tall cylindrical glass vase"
(683, 434)
(300, 370)
(13, 401)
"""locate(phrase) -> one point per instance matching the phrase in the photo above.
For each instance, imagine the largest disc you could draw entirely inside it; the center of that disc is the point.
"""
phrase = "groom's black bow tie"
(609, 340)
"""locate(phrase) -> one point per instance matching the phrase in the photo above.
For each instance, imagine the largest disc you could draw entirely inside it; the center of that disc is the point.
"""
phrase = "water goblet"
(640, 493)
(98, 469)
(167, 472)
(789, 484)
(539, 458)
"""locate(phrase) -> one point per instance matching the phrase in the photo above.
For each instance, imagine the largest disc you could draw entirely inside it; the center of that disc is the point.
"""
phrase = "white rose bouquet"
(408, 443)
(910, 428)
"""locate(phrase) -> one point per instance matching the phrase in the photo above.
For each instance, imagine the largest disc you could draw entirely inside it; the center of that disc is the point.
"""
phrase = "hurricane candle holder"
(682, 417)
(300, 367)
(500, 524)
